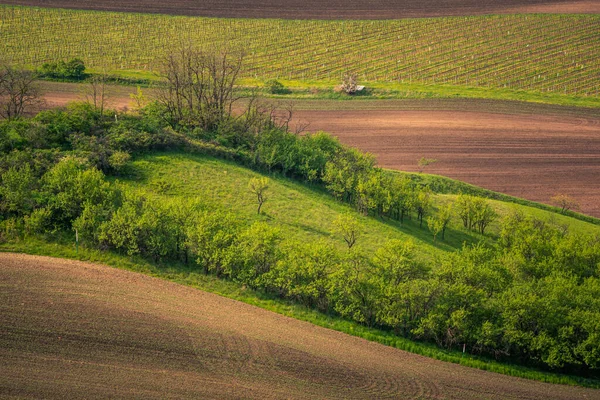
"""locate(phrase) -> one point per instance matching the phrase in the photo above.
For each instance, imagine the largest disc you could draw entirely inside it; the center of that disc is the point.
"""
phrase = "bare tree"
(350, 83)
(199, 87)
(96, 92)
(19, 91)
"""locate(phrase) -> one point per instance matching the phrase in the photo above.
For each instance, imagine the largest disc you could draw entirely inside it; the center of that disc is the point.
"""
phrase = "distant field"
(77, 330)
(318, 9)
(540, 53)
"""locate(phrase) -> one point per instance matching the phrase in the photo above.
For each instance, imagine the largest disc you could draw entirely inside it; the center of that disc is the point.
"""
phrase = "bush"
(275, 87)
(73, 69)
(38, 222)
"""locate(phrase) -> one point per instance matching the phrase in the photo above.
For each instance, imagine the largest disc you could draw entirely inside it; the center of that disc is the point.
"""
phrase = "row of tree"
(533, 298)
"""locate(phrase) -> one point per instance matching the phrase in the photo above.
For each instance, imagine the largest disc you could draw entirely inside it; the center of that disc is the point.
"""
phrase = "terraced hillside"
(316, 9)
(71, 329)
(541, 53)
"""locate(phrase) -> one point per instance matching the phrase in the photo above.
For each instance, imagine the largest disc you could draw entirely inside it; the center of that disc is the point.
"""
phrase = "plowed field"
(75, 330)
(531, 156)
(318, 9)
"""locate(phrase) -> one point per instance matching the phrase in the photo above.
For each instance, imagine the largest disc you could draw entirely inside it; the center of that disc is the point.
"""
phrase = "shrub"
(275, 87)
(38, 222)
(73, 69)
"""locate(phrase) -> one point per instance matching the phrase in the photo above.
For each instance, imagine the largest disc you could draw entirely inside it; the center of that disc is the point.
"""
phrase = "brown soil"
(318, 9)
(530, 156)
(533, 151)
(75, 330)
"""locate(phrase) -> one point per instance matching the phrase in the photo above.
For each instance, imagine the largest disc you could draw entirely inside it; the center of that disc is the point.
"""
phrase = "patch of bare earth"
(318, 9)
(533, 156)
(76, 330)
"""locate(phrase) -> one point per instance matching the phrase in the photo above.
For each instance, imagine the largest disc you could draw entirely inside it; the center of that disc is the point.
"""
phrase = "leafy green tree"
(38, 222)
(402, 197)
(348, 228)
(484, 214)
(69, 185)
(122, 231)
(18, 191)
(118, 159)
(73, 69)
(314, 150)
(258, 187)
(255, 253)
(343, 173)
(396, 262)
(425, 162)
(353, 290)
(439, 223)
(405, 304)
(475, 212)
(275, 87)
(303, 275)
(210, 238)
(422, 203)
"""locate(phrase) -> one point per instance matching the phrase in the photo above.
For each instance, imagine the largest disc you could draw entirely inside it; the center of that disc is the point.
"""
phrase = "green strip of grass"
(181, 274)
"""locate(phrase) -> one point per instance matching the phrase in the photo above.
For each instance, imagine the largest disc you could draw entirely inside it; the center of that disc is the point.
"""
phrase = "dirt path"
(531, 151)
(318, 9)
(72, 329)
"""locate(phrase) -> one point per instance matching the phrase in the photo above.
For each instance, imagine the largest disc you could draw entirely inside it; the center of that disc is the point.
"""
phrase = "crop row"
(549, 53)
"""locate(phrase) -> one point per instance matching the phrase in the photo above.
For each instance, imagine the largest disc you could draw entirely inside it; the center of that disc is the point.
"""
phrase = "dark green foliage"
(275, 87)
(73, 70)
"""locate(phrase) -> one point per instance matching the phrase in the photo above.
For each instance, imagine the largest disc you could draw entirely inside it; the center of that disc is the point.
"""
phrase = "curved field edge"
(64, 247)
(178, 274)
(541, 53)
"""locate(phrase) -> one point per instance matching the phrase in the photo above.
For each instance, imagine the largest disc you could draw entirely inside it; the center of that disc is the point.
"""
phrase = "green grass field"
(550, 54)
(301, 212)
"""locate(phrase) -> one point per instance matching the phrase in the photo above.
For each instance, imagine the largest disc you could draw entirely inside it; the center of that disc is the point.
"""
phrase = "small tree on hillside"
(259, 186)
(347, 226)
(440, 222)
(422, 203)
(565, 202)
(424, 162)
(138, 99)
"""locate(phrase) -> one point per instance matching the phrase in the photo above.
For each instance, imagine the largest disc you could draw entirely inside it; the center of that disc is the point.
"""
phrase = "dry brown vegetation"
(318, 9)
(72, 329)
